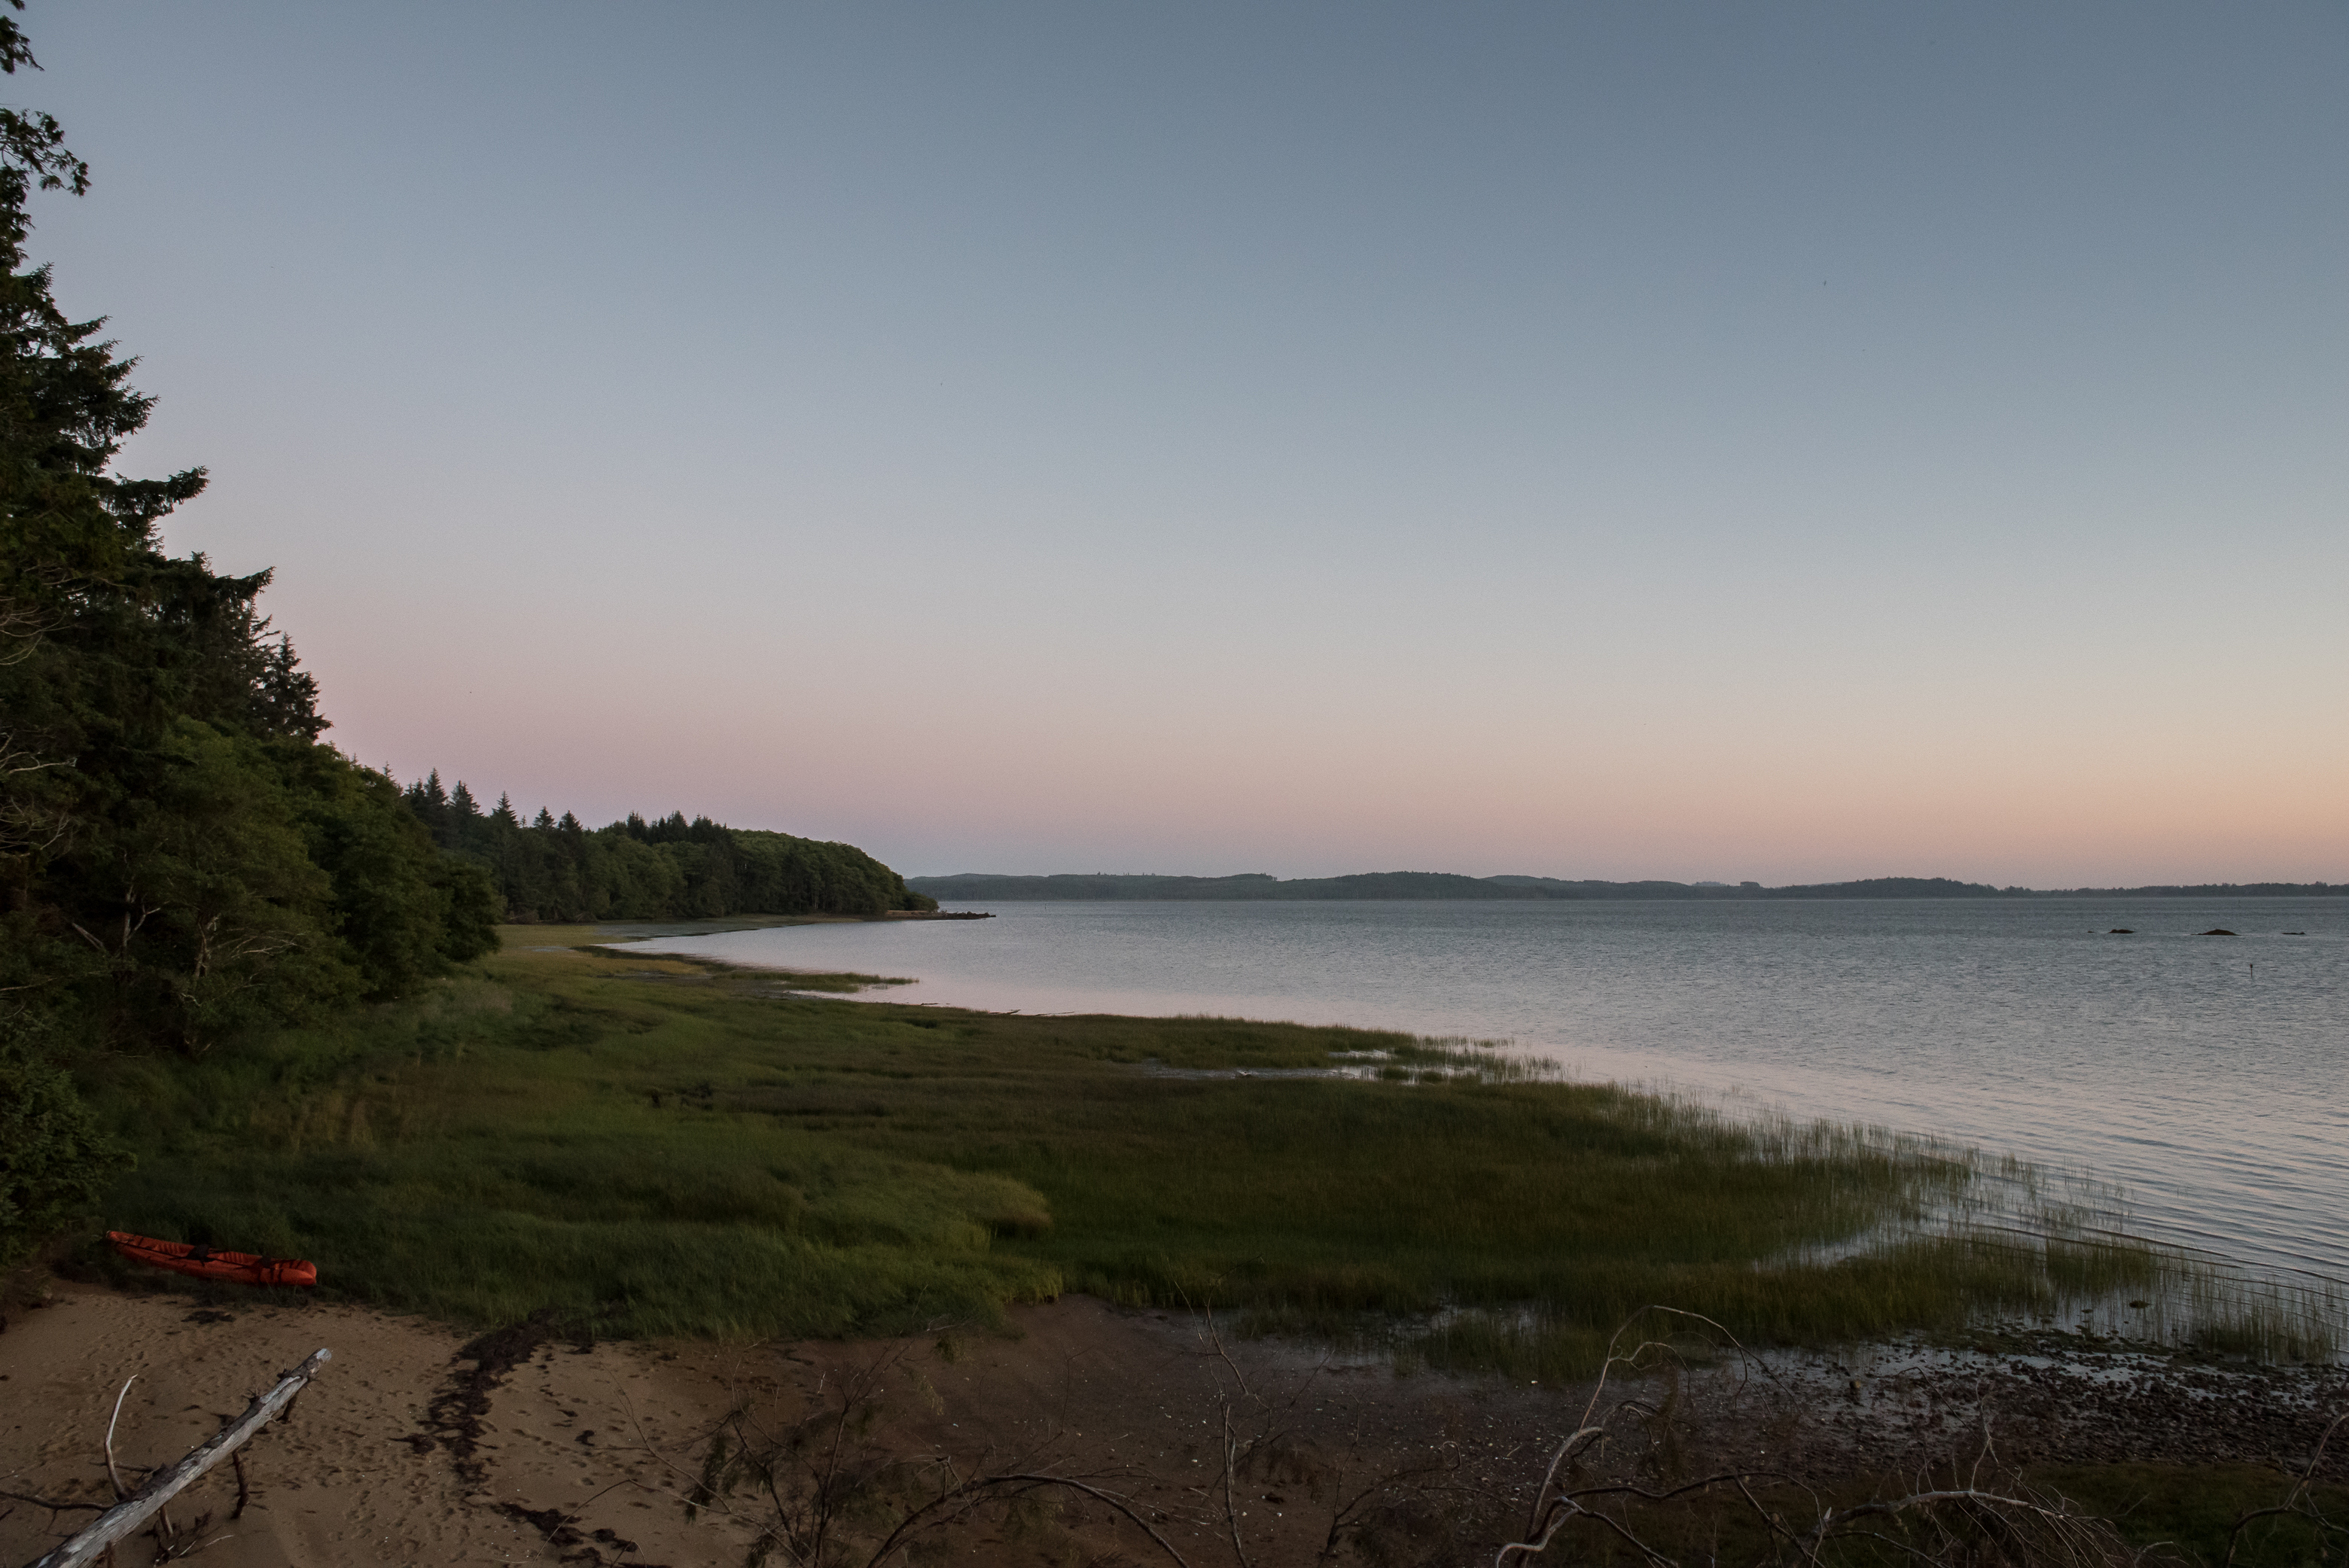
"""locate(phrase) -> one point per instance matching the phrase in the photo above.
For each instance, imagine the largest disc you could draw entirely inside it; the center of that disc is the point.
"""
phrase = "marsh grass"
(661, 1147)
(2191, 1513)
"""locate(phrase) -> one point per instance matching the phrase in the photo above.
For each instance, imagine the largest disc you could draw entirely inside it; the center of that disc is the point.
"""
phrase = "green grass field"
(657, 1148)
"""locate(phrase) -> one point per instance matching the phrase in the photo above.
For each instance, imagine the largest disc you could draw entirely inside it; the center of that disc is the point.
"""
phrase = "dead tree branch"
(124, 1518)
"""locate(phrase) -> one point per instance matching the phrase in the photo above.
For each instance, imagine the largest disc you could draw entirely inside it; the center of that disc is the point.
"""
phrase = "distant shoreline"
(970, 885)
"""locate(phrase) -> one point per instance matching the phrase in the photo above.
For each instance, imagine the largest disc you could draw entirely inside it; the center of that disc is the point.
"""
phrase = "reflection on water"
(2206, 1073)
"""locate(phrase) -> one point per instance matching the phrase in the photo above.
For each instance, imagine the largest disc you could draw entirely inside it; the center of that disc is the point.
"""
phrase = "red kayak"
(239, 1268)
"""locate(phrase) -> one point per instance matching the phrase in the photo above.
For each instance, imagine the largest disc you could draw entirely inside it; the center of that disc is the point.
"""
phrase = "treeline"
(556, 869)
(181, 858)
(983, 887)
(183, 862)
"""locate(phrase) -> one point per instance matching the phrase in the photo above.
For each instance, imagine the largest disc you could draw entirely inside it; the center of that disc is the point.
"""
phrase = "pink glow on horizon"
(1033, 797)
(1740, 443)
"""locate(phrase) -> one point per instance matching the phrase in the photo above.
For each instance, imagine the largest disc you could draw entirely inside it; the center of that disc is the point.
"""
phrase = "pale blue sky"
(1788, 441)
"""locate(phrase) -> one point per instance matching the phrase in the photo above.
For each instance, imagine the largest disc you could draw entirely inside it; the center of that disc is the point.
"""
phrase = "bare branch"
(2291, 1502)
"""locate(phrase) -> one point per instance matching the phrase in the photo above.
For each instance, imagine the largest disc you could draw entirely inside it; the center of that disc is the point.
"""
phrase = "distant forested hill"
(1254, 885)
(979, 887)
(670, 869)
(1410, 884)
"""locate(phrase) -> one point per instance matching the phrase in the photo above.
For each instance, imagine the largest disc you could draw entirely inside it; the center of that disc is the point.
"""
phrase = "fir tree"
(180, 861)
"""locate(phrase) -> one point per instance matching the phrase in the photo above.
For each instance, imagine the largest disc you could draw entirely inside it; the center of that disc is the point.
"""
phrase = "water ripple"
(2210, 1076)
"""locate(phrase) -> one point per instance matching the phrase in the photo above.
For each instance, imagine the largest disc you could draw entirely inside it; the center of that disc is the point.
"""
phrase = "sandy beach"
(419, 1444)
(354, 1475)
(583, 1454)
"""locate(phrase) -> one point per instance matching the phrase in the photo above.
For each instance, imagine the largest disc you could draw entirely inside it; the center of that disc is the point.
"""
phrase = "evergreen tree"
(181, 860)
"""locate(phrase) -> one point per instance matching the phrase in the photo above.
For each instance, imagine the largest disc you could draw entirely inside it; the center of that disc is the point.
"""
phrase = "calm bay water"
(2210, 1076)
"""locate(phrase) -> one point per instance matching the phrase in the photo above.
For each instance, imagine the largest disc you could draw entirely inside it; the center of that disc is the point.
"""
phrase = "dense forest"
(184, 863)
(554, 869)
(182, 860)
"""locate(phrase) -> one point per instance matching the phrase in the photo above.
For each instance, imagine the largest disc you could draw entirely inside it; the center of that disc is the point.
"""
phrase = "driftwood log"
(125, 1516)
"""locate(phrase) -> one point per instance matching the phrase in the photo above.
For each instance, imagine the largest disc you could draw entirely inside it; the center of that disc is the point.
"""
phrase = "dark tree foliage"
(181, 861)
(669, 869)
(54, 1160)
